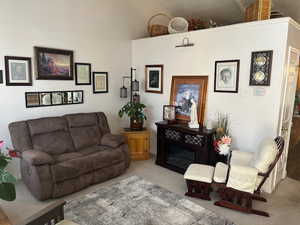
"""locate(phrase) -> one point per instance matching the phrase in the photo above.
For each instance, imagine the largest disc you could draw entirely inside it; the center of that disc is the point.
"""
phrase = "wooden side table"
(139, 144)
(3, 218)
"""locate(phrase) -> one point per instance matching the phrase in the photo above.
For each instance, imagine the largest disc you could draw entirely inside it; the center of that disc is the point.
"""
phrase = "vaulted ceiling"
(226, 11)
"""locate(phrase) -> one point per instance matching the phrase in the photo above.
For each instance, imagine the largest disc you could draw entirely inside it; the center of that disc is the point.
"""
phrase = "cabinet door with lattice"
(139, 144)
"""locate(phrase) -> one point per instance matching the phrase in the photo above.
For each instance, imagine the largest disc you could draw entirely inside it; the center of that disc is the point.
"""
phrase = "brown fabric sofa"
(62, 155)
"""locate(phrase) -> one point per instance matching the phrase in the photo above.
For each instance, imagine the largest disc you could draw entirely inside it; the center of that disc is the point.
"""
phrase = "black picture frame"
(265, 69)
(9, 81)
(159, 80)
(1, 77)
(37, 102)
(104, 90)
(77, 82)
(228, 63)
(43, 69)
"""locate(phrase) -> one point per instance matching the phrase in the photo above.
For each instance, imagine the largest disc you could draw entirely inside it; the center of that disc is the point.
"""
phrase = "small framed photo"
(154, 78)
(169, 113)
(83, 73)
(261, 68)
(18, 71)
(77, 97)
(32, 99)
(45, 99)
(100, 82)
(54, 64)
(67, 97)
(227, 76)
(57, 98)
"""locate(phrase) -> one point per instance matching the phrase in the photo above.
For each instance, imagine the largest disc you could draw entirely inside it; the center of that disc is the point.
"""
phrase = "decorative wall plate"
(261, 66)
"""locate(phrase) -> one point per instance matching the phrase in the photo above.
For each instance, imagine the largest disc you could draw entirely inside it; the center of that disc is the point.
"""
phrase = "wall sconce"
(134, 87)
(185, 43)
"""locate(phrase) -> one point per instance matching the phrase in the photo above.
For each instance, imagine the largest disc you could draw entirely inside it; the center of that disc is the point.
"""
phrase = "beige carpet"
(283, 204)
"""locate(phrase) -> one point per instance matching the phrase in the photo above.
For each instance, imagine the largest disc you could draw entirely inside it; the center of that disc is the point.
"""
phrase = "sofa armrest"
(242, 178)
(112, 140)
(240, 158)
(37, 158)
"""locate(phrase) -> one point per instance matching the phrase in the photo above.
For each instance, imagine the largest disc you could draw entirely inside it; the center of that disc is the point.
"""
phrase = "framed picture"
(1, 77)
(183, 90)
(53, 64)
(169, 113)
(18, 71)
(32, 99)
(227, 76)
(57, 98)
(154, 78)
(261, 67)
(100, 82)
(83, 73)
(77, 97)
(45, 99)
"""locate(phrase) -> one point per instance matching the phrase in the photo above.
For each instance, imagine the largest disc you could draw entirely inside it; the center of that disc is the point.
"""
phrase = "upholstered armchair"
(240, 182)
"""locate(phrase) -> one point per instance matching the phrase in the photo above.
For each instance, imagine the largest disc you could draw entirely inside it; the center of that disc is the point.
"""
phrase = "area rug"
(135, 201)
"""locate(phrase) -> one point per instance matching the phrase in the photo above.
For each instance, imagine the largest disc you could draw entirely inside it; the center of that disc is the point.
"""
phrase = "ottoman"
(199, 179)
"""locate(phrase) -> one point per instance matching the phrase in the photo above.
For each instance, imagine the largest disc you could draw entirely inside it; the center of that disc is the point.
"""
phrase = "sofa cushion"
(92, 149)
(53, 143)
(106, 158)
(112, 140)
(37, 158)
(84, 129)
(67, 156)
(265, 156)
(47, 125)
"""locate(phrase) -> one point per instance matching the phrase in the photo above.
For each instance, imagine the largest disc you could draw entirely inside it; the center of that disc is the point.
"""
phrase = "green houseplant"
(135, 111)
(7, 181)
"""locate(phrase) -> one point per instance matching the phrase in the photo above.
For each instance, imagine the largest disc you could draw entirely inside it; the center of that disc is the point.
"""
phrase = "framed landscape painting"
(183, 90)
(154, 78)
(18, 71)
(54, 64)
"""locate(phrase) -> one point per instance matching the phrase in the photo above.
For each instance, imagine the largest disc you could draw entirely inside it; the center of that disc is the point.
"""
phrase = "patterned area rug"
(135, 201)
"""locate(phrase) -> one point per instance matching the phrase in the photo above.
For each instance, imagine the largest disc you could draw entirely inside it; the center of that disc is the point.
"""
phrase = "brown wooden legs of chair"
(198, 189)
(240, 201)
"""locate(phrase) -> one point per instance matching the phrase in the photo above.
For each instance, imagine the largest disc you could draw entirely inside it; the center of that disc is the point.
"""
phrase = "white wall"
(99, 32)
(252, 118)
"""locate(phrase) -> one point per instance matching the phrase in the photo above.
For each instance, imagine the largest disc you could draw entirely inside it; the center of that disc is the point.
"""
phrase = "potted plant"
(135, 111)
(7, 181)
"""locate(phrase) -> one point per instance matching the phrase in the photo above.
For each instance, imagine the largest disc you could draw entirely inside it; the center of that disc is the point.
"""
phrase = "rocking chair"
(240, 183)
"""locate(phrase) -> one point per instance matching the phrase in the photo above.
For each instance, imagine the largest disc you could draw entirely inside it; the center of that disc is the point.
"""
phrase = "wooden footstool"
(199, 179)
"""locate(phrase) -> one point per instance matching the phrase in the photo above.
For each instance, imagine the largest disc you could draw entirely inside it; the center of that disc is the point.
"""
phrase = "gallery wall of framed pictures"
(53, 98)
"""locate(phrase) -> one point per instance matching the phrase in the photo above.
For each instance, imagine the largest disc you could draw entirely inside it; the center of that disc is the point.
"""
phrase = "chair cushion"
(199, 172)
(265, 156)
(221, 171)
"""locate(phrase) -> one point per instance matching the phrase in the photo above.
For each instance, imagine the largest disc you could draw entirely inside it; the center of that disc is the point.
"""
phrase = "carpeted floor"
(283, 204)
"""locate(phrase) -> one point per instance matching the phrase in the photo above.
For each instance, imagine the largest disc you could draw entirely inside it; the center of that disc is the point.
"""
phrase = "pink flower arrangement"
(226, 140)
(10, 152)
(1, 144)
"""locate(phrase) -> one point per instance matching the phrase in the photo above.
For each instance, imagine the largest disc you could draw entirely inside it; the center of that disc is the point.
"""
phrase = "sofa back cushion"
(50, 135)
(266, 155)
(84, 129)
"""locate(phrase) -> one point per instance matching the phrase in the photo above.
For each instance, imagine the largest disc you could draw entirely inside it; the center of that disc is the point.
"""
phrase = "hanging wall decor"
(100, 82)
(154, 78)
(18, 71)
(183, 90)
(53, 64)
(53, 98)
(83, 73)
(227, 76)
(261, 67)
(1, 77)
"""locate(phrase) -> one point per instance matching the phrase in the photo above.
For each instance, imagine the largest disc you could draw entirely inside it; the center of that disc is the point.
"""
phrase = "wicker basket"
(158, 29)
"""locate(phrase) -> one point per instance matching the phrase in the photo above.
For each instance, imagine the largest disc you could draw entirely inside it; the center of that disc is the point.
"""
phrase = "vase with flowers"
(222, 138)
(7, 180)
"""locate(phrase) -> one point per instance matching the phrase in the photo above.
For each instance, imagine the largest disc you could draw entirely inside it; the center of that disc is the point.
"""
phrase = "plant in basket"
(222, 138)
(7, 180)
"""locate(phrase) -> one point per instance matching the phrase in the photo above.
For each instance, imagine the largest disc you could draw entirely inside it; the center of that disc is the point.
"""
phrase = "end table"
(139, 143)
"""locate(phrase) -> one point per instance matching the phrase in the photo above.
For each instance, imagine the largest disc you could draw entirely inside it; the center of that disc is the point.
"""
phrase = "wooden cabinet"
(139, 144)
(3, 218)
